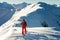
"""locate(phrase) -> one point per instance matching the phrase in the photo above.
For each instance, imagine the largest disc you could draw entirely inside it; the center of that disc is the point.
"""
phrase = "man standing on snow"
(24, 24)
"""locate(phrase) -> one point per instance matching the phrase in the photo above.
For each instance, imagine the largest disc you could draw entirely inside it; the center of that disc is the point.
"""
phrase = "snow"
(8, 32)
(6, 29)
(38, 33)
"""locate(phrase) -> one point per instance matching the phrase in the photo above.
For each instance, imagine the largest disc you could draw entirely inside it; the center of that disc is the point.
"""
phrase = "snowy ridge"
(15, 17)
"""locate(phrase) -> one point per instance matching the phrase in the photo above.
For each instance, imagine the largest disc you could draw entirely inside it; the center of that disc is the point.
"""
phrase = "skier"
(24, 24)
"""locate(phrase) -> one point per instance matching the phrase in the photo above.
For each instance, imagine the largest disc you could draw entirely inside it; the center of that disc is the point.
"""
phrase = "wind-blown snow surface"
(5, 28)
(41, 33)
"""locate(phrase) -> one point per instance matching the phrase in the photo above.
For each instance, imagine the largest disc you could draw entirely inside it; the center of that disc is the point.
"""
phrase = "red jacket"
(24, 23)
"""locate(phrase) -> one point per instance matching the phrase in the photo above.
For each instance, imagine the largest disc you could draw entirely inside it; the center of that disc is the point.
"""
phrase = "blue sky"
(31, 1)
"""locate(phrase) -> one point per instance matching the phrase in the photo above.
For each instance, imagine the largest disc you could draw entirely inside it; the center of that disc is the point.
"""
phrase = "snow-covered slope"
(38, 33)
(6, 12)
(6, 26)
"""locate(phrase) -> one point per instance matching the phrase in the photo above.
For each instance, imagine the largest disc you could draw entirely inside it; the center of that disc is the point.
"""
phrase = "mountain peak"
(20, 6)
(41, 3)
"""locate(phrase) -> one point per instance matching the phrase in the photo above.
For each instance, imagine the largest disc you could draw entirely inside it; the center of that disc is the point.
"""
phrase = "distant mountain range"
(20, 6)
(47, 15)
